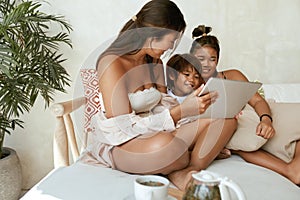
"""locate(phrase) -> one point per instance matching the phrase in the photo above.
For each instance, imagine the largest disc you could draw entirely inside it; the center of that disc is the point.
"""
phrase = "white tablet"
(233, 96)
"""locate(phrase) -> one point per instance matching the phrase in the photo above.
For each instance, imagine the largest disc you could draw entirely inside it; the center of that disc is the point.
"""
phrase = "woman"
(206, 49)
(137, 133)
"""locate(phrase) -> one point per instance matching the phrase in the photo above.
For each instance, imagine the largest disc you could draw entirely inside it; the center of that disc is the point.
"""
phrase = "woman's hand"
(195, 104)
(265, 129)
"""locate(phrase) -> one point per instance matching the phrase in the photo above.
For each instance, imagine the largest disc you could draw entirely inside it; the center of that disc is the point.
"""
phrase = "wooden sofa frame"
(64, 141)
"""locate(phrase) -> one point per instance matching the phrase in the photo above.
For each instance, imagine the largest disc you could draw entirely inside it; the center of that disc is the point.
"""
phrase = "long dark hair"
(156, 19)
(203, 39)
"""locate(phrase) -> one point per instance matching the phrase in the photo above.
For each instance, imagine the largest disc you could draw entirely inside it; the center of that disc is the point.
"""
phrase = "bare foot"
(225, 153)
(181, 178)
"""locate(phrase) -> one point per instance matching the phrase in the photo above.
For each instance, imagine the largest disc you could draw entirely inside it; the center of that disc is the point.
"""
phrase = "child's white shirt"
(178, 98)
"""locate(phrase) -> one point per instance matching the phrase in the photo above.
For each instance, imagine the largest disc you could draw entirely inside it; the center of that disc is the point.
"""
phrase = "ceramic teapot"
(206, 185)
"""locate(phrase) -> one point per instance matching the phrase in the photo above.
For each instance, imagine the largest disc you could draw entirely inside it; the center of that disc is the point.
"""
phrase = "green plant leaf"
(30, 62)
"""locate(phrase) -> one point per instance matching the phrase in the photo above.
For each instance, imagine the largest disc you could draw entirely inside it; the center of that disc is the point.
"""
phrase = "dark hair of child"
(178, 63)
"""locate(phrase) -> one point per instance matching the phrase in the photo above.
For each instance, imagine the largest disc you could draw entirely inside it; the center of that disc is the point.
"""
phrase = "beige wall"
(259, 37)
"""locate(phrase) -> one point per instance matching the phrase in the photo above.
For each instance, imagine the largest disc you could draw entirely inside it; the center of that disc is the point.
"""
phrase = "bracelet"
(267, 115)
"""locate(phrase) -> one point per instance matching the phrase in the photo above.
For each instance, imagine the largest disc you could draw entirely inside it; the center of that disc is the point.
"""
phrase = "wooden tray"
(178, 194)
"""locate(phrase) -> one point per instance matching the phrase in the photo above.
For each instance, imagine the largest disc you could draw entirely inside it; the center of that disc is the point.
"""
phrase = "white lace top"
(144, 101)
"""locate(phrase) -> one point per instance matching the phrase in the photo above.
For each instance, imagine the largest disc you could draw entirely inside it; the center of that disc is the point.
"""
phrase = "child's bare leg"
(209, 144)
(262, 158)
(293, 172)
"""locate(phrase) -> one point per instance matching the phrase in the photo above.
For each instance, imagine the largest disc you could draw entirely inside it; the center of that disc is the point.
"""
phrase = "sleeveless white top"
(145, 100)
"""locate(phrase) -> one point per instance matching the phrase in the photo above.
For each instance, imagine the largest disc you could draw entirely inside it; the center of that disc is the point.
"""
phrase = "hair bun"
(201, 30)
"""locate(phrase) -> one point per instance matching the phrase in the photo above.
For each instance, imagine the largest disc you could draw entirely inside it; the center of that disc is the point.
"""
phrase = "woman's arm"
(193, 104)
(265, 128)
(112, 84)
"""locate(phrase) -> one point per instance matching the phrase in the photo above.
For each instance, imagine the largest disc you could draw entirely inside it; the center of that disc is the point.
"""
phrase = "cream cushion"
(286, 122)
(245, 137)
(90, 83)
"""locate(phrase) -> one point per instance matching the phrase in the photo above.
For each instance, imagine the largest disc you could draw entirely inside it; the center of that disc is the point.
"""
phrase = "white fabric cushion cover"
(80, 181)
(245, 137)
(282, 92)
(286, 122)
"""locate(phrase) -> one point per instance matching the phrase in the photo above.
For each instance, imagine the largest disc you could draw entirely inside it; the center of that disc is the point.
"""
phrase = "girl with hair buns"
(206, 48)
(136, 131)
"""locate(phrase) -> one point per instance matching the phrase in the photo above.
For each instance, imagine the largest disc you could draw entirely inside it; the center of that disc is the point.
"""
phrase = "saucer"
(131, 197)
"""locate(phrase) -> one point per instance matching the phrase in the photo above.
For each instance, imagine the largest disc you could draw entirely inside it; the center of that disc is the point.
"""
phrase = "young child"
(183, 75)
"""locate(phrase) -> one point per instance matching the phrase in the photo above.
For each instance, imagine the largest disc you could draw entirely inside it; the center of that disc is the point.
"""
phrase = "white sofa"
(80, 181)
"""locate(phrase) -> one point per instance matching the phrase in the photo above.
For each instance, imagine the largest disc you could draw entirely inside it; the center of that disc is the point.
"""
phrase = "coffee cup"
(151, 187)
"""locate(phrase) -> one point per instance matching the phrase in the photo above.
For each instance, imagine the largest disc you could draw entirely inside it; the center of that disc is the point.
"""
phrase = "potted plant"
(30, 62)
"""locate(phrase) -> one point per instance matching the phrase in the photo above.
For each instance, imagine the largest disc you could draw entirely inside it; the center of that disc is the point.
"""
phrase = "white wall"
(261, 38)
